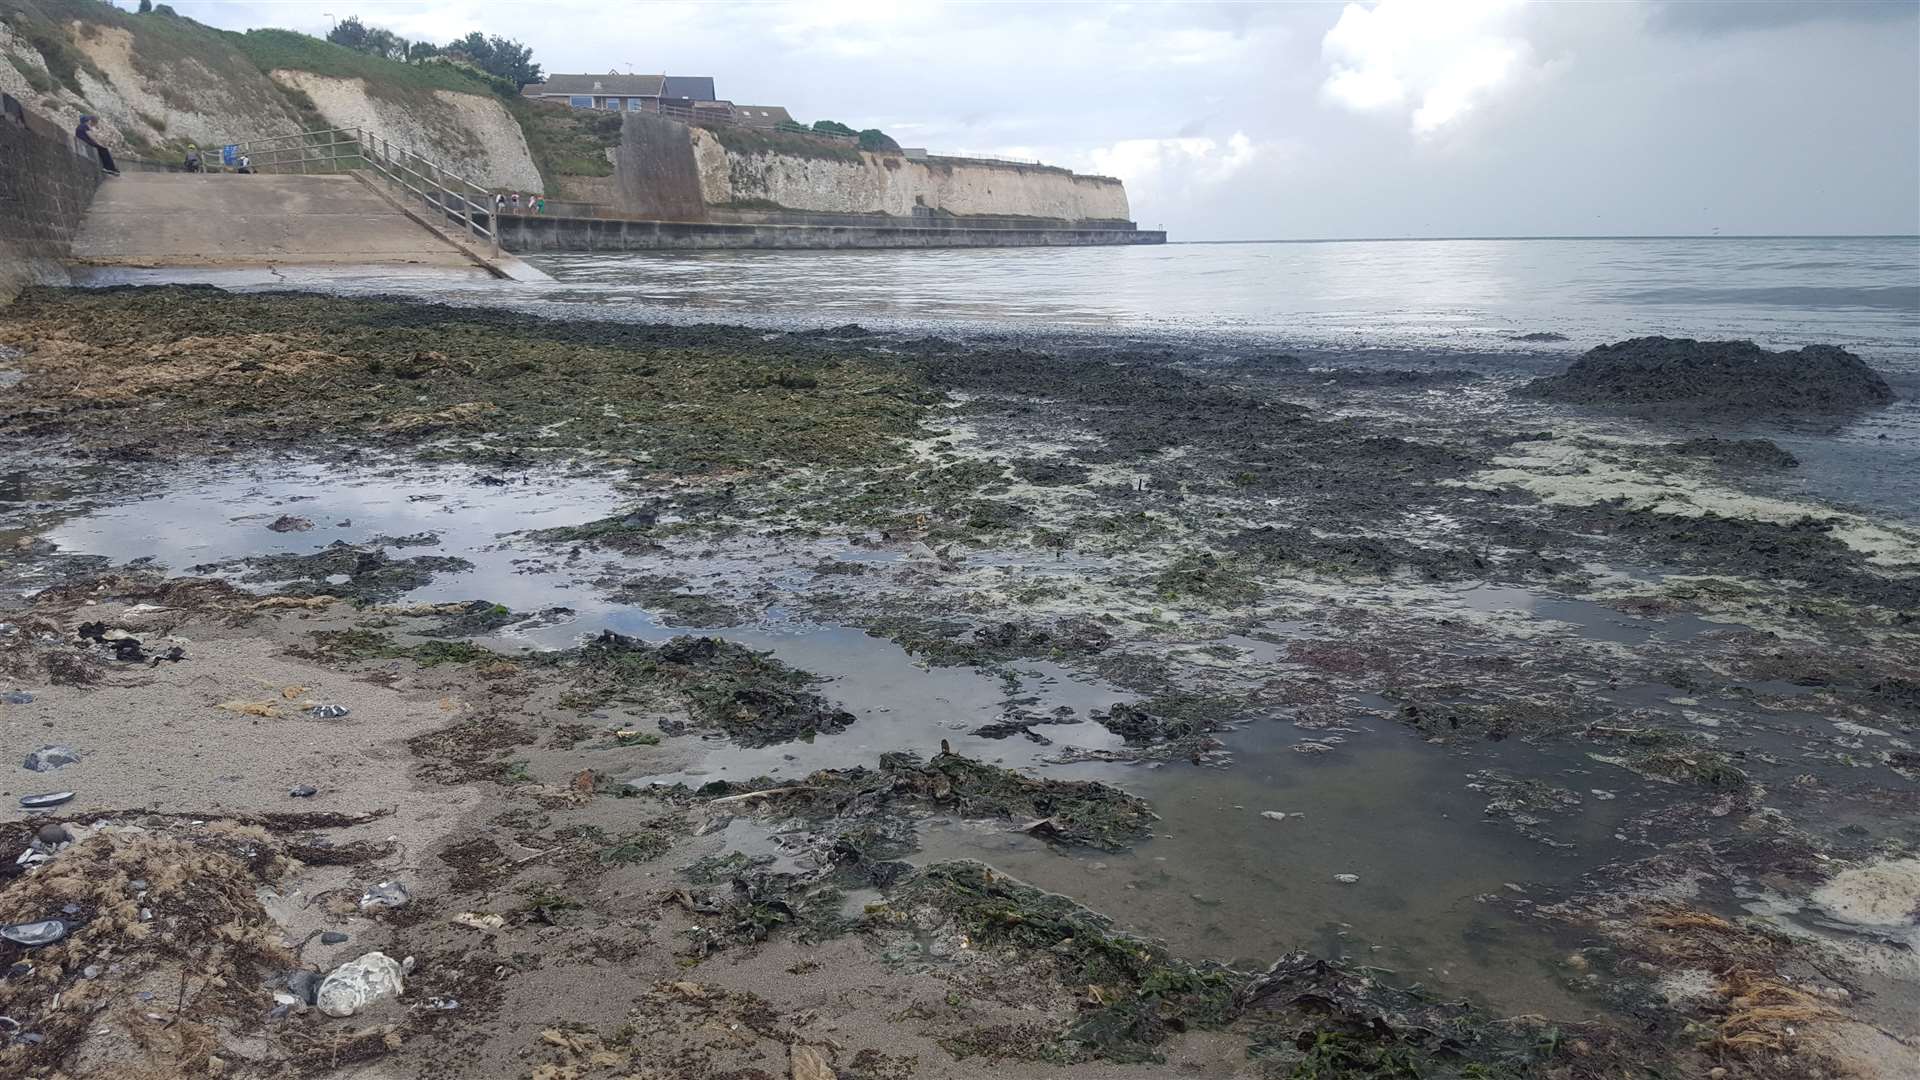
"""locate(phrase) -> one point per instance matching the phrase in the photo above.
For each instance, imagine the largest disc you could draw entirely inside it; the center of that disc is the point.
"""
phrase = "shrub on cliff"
(875, 139)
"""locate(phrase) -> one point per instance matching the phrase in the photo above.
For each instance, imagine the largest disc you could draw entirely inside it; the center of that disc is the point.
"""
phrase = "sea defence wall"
(45, 189)
(655, 172)
(551, 234)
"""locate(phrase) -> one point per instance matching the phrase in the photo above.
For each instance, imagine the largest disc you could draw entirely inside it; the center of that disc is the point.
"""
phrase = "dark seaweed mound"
(1738, 453)
(1722, 376)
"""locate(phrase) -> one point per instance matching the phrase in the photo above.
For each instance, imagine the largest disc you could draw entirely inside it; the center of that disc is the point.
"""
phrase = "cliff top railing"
(462, 201)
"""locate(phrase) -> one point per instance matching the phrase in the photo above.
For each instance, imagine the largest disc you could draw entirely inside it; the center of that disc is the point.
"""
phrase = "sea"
(1473, 296)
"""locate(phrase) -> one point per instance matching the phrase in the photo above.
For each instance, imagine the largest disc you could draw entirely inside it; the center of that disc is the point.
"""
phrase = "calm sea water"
(1863, 293)
(1399, 295)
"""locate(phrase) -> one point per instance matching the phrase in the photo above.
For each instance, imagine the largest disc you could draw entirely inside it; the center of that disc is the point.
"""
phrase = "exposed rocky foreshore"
(521, 829)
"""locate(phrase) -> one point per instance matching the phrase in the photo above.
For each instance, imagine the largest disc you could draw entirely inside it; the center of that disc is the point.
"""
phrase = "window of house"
(613, 103)
(634, 104)
(581, 101)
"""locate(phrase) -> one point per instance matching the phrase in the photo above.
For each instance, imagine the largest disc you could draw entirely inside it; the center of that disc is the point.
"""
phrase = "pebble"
(328, 711)
(1347, 879)
(91, 971)
(304, 791)
(304, 985)
(332, 937)
(49, 758)
(17, 697)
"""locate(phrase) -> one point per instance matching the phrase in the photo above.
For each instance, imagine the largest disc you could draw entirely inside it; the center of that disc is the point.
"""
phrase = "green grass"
(271, 50)
(566, 141)
(744, 140)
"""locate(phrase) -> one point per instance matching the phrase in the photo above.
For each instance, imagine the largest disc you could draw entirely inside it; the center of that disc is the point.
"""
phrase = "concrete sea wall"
(656, 173)
(887, 183)
(45, 189)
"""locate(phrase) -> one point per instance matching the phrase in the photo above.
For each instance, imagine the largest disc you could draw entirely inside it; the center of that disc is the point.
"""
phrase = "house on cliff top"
(686, 95)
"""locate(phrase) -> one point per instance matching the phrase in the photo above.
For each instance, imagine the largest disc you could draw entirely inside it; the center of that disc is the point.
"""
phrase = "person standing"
(85, 134)
(193, 158)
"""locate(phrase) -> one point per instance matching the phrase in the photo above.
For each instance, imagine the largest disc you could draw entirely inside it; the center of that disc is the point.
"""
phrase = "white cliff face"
(471, 134)
(891, 184)
(141, 108)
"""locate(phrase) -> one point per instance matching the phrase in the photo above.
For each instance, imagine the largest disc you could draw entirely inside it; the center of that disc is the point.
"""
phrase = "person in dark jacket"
(85, 134)
(193, 158)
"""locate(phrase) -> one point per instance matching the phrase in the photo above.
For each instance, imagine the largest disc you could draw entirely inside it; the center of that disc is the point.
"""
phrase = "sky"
(1242, 121)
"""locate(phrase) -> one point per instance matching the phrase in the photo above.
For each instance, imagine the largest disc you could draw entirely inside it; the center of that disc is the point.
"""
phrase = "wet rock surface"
(1725, 377)
(1552, 721)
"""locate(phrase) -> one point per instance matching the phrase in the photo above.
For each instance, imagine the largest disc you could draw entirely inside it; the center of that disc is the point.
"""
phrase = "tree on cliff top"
(497, 56)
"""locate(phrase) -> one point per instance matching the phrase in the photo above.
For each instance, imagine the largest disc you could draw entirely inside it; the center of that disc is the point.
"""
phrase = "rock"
(1540, 335)
(42, 801)
(354, 985)
(1722, 377)
(328, 712)
(304, 985)
(304, 791)
(1276, 815)
(49, 758)
(17, 697)
(44, 932)
(332, 937)
(52, 834)
(288, 523)
(1738, 453)
(386, 894)
(809, 1063)
(1347, 879)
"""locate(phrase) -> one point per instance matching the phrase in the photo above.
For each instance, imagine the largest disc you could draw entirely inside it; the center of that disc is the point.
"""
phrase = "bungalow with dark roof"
(762, 116)
(622, 93)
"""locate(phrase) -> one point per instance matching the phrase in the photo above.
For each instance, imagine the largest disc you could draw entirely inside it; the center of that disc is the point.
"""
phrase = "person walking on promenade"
(85, 134)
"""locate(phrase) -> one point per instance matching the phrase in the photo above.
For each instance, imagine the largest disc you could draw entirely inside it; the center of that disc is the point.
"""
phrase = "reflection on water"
(1475, 295)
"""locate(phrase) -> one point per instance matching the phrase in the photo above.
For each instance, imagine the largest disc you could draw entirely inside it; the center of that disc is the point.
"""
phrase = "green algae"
(1083, 813)
(665, 399)
(1143, 993)
(363, 644)
(725, 686)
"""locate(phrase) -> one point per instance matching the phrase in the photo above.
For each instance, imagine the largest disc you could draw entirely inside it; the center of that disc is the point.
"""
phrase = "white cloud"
(1153, 162)
(1438, 58)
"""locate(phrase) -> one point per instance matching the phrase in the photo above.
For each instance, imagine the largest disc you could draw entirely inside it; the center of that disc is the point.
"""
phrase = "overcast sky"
(1300, 120)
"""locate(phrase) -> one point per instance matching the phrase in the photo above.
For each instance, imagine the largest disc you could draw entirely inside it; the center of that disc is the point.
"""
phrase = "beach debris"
(444, 1004)
(1347, 879)
(262, 709)
(287, 523)
(385, 894)
(1278, 815)
(356, 984)
(35, 934)
(304, 791)
(328, 712)
(17, 697)
(49, 758)
(41, 802)
(487, 921)
(809, 1063)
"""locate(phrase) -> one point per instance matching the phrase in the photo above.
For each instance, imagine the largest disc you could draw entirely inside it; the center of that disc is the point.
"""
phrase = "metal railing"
(332, 150)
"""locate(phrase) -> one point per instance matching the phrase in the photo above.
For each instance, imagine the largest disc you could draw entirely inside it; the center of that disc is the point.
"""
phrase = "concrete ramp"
(216, 220)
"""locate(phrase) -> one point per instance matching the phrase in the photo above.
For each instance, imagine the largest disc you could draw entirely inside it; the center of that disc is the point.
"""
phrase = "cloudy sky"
(1305, 120)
